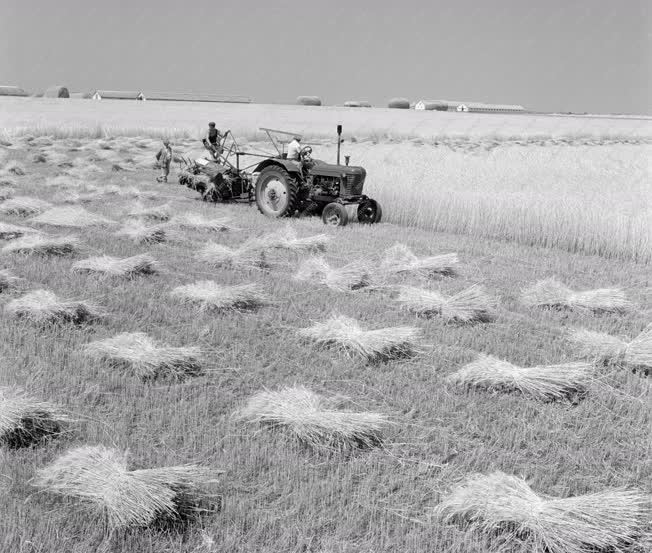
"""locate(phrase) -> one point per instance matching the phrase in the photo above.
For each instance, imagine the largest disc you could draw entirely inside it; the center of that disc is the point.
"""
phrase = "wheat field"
(278, 494)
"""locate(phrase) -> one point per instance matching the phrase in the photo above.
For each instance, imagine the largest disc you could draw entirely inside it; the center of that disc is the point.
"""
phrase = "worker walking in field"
(294, 149)
(164, 158)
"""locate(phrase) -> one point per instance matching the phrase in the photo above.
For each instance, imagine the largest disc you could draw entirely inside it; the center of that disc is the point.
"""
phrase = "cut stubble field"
(277, 492)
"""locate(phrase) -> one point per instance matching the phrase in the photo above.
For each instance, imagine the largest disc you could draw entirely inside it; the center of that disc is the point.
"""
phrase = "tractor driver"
(212, 140)
(294, 149)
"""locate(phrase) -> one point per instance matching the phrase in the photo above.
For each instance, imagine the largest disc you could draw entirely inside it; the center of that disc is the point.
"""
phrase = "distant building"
(118, 95)
(195, 97)
(429, 105)
(12, 91)
(81, 95)
(481, 107)
(462, 107)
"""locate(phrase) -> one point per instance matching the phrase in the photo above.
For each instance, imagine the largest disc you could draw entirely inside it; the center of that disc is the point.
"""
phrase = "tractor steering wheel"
(305, 153)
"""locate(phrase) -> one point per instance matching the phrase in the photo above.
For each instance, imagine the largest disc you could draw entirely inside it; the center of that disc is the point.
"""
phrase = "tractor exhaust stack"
(339, 141)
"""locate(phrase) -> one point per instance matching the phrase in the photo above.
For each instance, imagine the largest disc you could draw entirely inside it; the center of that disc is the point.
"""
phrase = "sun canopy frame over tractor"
(281, 187)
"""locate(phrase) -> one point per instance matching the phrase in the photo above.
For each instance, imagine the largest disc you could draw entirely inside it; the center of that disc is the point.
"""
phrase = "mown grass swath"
(26, 421)
(99, 477)
(196, 221)
(546, 382)
(160, 213)
(24, 206)
(352, 276)
(470, 305)
(287, 239)
(143, 234)
(209, 295)
(505, 509)
(9, 231)
(76, 217)
(250, 255)
(552, 293)
(7, 280)
(142, 264)
(141, 356)
(313, 419)
(44, 306)
(380, 344)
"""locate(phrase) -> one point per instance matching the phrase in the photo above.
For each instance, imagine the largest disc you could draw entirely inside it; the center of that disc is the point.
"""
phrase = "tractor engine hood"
(332, 170)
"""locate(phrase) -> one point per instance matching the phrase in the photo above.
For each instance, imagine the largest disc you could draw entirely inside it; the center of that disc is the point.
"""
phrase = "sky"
(560, 55)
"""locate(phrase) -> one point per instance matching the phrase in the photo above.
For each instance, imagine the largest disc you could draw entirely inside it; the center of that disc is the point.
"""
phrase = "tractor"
(283, 187)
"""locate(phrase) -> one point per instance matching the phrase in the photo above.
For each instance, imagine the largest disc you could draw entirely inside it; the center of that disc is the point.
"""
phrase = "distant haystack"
(607, 349)
(374, 345)
(7, 280)
(208, 294)
(550, 382)
(74, 217)
(43, 306)
(250, 255)
(195, 221)
(504, 507)
(24, 205)
(349, 277)
(399, 103)
(39, 244)
(143, 234)
(57, 91)
(287, 239)
(12, 91)
(99, 477)
(399, 259)
(143, 357)
(25, 421)
(9, 231)
(309, 100)
(551, 293)
(314, 420)
(156, 213)
(136, 265)
(467, 306)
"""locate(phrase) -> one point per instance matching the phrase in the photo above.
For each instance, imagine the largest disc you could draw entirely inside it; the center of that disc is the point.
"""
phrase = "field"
(516, 208)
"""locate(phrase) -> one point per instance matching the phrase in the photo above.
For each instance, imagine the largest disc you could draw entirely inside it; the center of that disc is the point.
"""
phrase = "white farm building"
(118, 95)
(460, 106)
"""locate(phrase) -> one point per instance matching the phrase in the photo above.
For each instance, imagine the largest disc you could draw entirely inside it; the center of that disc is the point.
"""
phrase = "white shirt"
(293, 150)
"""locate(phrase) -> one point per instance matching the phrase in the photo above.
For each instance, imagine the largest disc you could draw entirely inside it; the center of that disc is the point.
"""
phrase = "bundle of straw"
(470, 305)
(549, 382)
(9, 182)
(551, 293)
(211, 295)
(145, 358)
(7, 280)
(349, 277)
(136, 265)
(399, 259)
(43, 245)
(6, 192)
(504, 506)
(23, 205)
(250, 255)
(155, 213)
(313, 419)
(375, 345)
(14, 167)
(100, 477)
(287, 239)
(195, 221)
(142, 234)
(43, 306)
(9, 231)
(25, 421)
(612, 350)
(76, 217)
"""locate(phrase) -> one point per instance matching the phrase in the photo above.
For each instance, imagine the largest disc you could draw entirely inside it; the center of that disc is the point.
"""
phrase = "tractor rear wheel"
(369, 212)
(335, 214)
(276, 192)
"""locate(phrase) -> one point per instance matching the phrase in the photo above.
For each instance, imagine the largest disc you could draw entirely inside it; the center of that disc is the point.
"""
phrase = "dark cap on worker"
(211, 124)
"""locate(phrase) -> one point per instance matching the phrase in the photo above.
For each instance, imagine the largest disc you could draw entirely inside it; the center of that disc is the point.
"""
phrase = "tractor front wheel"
(335, 214)
(369, 212)
(276, 192)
